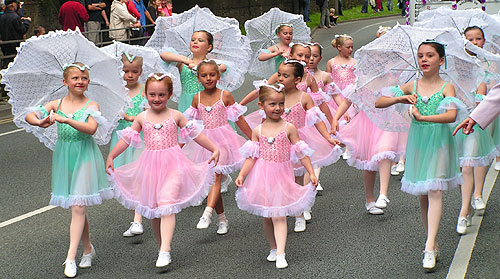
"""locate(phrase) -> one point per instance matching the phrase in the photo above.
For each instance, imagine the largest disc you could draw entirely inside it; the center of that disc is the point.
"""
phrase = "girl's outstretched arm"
(263, 56)
(344, 106)
(255, 94)
(293, 135)
(181, 60)
(320, 126)
(248, 164)
(89, 127)
(121, 145)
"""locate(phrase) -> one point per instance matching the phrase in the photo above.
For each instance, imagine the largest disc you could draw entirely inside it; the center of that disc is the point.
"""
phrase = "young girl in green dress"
(78, 176)
(431, 154)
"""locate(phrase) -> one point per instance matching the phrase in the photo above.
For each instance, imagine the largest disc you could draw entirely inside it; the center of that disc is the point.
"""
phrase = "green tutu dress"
(190, 87)
(478, 148)
(130, 154)
(78, 171)
(431, 151)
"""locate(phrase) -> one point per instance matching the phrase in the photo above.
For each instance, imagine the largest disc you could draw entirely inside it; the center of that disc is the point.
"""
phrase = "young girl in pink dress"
(341, 69)
(299, 52)
(300, 111)
(163, 180)
(370, 148)
(215, 107)
(270, 190)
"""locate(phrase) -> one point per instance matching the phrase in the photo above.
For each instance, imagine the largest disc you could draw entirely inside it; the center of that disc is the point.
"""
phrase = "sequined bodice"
(274, 149)
(302, 86)
(429, 105)
(160, 136)
(343, 75)
(133, 111)
(66, 132)
(213, 116)
(295, 115)
(189, 81)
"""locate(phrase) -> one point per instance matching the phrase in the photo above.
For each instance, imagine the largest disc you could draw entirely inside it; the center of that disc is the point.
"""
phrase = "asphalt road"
(342, 241)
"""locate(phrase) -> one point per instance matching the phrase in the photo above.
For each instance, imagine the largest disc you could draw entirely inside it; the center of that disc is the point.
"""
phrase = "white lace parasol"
(152, 63)
(444, 17)
(392, 60)
(261, 31)
(490, 65)
(229, 47)
(35, 78)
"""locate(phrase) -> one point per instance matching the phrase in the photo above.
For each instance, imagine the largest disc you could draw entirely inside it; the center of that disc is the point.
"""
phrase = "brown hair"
(266, 91)
(137, 59)
(210, 38)
(167, 81)
(66, 71)
(208, 62)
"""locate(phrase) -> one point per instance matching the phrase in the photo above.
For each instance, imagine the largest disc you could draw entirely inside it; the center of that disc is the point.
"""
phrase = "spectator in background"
(324, 19)
(333, 17)
(121, 18)
(304, 9)
(97, 15)
(72, 14)
(39, 31)
(132, 9)
(364, 9)
(165, 6)
(139, 32)
(12, 27)
(154, 11)
(2, 7)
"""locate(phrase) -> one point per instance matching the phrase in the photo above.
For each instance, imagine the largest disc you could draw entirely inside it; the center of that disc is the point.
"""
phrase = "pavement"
(342, 241)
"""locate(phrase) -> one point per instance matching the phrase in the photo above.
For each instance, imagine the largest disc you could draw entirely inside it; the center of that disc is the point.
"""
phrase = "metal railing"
(104, 40)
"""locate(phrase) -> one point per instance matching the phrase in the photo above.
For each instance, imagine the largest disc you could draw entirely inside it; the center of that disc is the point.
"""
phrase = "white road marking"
(11, 132)
(460, 263)
(27, 215)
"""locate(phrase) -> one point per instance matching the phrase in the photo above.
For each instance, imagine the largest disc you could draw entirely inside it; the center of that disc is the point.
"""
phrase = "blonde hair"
(207, 62)
(67, 69)
(166, 80)
(339, 41)
(266, 91)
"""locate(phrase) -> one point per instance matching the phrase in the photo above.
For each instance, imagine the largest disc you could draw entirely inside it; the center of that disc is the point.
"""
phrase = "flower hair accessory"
(158, 76)
(263, 83)
(81, 68)
(315, 44)
(282, 24)
(343, 36)
(289, 61)
(301, 44)
(129, 57)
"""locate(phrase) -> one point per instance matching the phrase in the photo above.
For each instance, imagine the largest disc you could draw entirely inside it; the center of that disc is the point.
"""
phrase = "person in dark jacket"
(12, 27)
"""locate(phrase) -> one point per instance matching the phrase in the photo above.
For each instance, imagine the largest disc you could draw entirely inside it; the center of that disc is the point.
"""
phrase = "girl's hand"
(408, 99)
(239, 181)
(335, 127)
(416, 114)
(44, 123)
(214, 157)
(129, 118)
(333, 141)
(314, 179)
(59, 118)
(109, 165)
(347, 117)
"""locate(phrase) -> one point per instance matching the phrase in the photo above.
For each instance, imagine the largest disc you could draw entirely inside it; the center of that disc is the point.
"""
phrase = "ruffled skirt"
(162, 182)
(431, 159)
(78, 174)
(476, 149)
(130, 154)
(368, 144)
(270, 191)
(228, 143)
(495, 132)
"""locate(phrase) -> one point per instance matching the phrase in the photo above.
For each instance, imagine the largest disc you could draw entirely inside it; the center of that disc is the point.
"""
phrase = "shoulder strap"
(442, 88)
(414, 86)
(284, 126)
(59, 103)
(221, 93)
(145, 113)
(199, 98)
(142, 87)
(260, 130)
(301, 95)
(86, 104)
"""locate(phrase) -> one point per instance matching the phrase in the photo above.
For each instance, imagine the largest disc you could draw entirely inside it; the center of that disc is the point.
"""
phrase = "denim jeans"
(364, 9)
(389, 5)
(307, 3)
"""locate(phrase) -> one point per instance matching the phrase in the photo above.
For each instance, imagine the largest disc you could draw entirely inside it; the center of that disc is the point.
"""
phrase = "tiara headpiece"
(80, 67)
(129, 57)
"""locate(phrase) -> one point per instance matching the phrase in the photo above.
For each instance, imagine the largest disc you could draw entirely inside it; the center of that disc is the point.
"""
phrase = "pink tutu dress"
(163, 180)
(324, 153)
(270, 189)
(368, 144)
(217, 129)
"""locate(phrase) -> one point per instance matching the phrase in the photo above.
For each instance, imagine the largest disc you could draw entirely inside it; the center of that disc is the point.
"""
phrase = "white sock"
(208, 212)
(221, 217)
